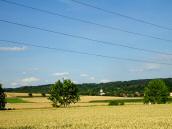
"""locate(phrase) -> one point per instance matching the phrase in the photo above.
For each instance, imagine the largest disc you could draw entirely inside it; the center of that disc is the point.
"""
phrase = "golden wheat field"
(84, 115)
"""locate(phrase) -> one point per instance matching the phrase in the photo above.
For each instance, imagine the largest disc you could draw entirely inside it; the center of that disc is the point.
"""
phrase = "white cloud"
(146, 67)
(14, 83)
(164, 58)
(30, 70)
(15, 49)
(46, 81)
(92, 78)
(29, 80)
(25, 81)
(61, 74)
(74, 81)
(152, 66)
(87, 76)
(104, 80)
(84, 75)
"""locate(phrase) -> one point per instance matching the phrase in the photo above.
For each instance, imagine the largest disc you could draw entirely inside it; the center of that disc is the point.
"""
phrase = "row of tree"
(131, 88)
(66, 92)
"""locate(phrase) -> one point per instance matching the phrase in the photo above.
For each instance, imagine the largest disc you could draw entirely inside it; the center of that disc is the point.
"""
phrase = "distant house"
(101, 92)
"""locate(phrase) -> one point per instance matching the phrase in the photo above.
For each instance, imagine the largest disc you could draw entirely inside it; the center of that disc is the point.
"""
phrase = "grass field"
(15, 100)
(37, 113)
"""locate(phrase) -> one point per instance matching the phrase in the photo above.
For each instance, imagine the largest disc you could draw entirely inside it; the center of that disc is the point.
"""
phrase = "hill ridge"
(116, 88)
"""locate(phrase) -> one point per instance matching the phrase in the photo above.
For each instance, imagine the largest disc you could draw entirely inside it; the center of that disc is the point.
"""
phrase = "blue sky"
(25, 65)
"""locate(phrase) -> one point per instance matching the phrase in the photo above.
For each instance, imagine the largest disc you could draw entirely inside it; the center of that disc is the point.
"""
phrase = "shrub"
(43, 94)
(116, 103)
(30, 94)
(121, 103)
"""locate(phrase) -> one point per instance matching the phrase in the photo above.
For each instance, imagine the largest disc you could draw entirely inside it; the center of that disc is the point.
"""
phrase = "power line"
(122, 15)
(86, 53)
(86, 21)
(85, 38)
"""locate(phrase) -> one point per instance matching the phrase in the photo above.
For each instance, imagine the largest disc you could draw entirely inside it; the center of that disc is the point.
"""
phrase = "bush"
(121, 103)
(30, 94)
(116, 103)
(43, 94)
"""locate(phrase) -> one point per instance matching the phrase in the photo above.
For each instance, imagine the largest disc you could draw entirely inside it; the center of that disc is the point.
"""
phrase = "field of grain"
(99, 117)
(37, 102)
(21, 94)
(37, 113)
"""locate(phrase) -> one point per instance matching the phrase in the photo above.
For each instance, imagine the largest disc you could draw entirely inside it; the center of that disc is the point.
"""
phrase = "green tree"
(2, 98)
(156, 92)
(63, 93)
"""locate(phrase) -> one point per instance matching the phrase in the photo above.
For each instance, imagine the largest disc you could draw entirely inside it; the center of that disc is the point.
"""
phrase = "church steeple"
(101, 92)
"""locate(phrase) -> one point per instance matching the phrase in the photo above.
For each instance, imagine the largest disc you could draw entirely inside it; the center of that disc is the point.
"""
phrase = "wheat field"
(42, 102)
(98, 117)
(84, 115)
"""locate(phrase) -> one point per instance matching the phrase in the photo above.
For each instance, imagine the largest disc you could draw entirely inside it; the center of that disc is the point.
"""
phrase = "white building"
(101, 92)
(171, 94)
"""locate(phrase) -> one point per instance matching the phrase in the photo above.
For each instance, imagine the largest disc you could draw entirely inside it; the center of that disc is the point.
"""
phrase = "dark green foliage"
(156, 92)
(30, 94)
(63, 93)
(43, 94)
(111, 103)
(121, 103)
(2, 98)
(30, 89)
(134, 100)
(124, 100)
(116, 102)
(120, 88)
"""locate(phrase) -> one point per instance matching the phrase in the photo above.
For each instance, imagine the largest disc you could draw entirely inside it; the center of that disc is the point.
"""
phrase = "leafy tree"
(63, 93)
(156, 92)
(2, 98)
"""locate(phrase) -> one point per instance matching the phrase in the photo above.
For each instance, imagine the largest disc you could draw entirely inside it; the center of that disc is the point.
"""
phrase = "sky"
(22, 65)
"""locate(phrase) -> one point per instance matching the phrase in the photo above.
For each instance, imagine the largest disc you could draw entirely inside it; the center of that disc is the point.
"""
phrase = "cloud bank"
(13, 49)
(25, 81)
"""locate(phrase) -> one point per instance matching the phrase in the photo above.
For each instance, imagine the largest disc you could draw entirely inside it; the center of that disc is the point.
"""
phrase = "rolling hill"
(118, 88)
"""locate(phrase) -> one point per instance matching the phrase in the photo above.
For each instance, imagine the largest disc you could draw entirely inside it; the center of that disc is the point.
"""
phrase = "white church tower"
(101, 92)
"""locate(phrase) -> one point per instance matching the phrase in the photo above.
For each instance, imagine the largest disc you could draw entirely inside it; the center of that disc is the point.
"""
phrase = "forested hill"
(118, 88)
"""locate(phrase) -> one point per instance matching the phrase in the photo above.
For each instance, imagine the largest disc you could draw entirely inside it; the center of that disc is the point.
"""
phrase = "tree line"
(64, 93)
(132, 88)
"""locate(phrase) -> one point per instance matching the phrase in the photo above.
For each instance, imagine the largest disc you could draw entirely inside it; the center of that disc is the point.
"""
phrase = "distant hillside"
(118, 88)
